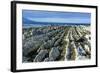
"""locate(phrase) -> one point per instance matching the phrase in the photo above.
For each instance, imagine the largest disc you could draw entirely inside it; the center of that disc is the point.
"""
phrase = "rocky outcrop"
(44, 44)
(41, 55)
(54, 53)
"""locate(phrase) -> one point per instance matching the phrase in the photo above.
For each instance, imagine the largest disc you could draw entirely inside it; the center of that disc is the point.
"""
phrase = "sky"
(55, 17)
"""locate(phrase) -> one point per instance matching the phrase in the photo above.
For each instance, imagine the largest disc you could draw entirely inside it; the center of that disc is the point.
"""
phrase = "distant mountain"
(27, 22)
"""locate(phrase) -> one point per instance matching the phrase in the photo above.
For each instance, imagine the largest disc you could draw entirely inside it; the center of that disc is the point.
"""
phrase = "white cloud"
(61, 20)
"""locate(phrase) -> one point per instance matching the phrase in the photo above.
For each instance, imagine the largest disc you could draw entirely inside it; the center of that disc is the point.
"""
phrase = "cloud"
(61, 20)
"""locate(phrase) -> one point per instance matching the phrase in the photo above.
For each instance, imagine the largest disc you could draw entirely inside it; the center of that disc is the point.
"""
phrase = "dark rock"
(29, 47)
(25, 59)
(41, 55)
(46, 59)
(54, 53)
(57, 42)
(41, 48)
